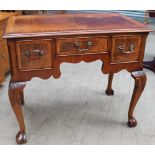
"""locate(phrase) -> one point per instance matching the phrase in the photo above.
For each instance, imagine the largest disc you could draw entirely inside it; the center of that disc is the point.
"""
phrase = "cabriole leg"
(109, 91)
(140, 81)
(15, 91)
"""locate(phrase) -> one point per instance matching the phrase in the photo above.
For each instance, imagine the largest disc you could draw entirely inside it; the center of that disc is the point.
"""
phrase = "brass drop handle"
(131, 49)
(88, 44)
(36, 52)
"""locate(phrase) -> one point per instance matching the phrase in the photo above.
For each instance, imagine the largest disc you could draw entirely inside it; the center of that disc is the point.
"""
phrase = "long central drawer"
(82, 45)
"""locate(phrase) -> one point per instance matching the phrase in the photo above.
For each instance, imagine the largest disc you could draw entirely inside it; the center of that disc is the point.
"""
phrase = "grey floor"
(75, 110)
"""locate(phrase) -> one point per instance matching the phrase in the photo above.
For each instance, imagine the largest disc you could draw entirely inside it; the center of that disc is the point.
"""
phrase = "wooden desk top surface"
(65, 24)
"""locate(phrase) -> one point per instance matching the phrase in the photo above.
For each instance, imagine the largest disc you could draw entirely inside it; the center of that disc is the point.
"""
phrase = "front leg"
(140, 81)
(109, 91)
(15, 93)
(22, 98)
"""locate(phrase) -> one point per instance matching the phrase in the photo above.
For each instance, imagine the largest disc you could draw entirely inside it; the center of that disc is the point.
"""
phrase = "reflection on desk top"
(71, 24)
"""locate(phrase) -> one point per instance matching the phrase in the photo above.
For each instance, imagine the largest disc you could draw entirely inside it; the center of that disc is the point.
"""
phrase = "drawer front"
(34, 54)
(81, 45)
(125, 48)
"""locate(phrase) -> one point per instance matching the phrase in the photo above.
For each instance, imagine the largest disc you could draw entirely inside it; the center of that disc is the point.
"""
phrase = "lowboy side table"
(39, 44)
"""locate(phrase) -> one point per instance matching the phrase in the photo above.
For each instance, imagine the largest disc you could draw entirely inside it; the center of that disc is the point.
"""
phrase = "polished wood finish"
(118, 41)
(122, 48)
(4, 58)
(15, 90)
(67, 45)
(109, 91)
(77, 24)
(140, 81)
(34, 54)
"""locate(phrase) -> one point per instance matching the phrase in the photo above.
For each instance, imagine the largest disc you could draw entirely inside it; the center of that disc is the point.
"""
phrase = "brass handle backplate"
(88, 44)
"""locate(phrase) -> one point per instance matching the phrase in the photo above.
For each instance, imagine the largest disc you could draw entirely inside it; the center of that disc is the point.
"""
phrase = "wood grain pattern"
(116, 40)
(126, 43)
(67, 45)
(140, 82)
(54, 25)
(34, 54)
(15, 89)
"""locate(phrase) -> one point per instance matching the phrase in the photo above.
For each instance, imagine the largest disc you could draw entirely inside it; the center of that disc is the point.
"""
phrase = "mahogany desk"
(39, 44)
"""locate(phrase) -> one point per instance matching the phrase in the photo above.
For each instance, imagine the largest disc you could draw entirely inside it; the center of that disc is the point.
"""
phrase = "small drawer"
(125, 48)
(34, 54)
(81, 45)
